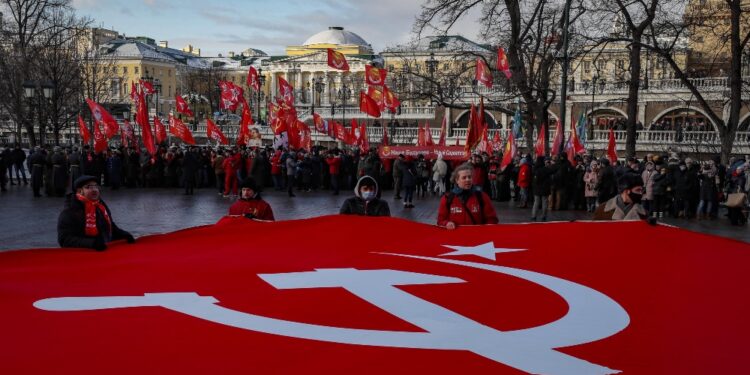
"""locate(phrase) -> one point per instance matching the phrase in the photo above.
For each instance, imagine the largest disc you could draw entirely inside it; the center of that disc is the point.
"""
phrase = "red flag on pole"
(101, 115)
(83, 130)
(473, 132)
(428, 135)
(385, 140)
(443, 129)
(179, 130)
(558, 142)
(377, 96)
(497, 142)
(364, 142)
(126, 133)
(375, 76)
(389, 100)
(160, 130)
(321, 125)
(100, 143)
(483, 74)
(502, 63)
(539, 146)
(182, 106)
(213, 132)
(509, 152)
(247, 116)
(368, 105)
(612, 147)
(252, 79)
(286, 91)
(141, 118)
(337, 60)
(420, 135)
(148, 88)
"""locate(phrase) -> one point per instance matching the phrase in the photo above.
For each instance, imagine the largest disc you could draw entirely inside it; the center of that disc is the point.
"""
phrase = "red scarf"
(91, 207)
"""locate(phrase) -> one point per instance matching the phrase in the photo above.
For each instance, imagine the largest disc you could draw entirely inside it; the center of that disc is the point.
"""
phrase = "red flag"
(279, 126)
(558, 142)
(148, 88)
(385, 141)
(286, 91)
(160, 130)
(375, 76)
(179, 130)
(364, 142)
(182, 106)
(484, 143)
(389, 100)
(298, 135)
(100, 143)
(377, 96)
(539, 146)
(337, 60)
(133, 93)
(509, 152)
(252, 79)
(420, 136)
(612, 147)
(473, 133)
(321, 125)
(247, 116)
(353, 132)
(574, 146)
(502, 63)
(231, 95)
(428, 135)
(141, 118)
(443, 129)
(213, 132)
(497, 142)
(101, 116)
(483, 74)
(340, 132)
(126, 133)
(305, 136)
(368, 105)
(83, 130)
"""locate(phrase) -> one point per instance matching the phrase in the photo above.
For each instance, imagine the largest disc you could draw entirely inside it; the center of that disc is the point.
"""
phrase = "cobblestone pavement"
(29, 222)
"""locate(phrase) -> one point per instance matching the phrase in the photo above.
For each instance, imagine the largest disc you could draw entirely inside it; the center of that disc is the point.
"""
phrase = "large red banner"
(429, 152)
(397, 297)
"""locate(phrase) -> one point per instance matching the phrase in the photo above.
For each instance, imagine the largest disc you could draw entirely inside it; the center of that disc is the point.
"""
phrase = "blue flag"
(581, 129)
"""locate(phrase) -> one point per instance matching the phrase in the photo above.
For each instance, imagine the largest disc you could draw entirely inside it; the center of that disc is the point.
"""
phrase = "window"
(621, 64)
(114, 88)
(135, 70)
(446, 67)
(124, 70)
(601, 64)
(587, 66)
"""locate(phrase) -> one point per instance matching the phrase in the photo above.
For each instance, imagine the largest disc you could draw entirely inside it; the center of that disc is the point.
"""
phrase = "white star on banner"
(486, 250)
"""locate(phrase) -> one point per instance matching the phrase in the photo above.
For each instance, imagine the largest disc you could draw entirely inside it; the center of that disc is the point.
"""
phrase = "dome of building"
(338, 36)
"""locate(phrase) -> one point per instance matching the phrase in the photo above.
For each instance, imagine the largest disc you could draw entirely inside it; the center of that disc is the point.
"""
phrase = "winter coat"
(439, 170)
(542, 184)
(591, 179)
(524, 175)
(648, 184)
(253, 208)
(408, 173)
(356, 205)
(71, 225)
(465, 209)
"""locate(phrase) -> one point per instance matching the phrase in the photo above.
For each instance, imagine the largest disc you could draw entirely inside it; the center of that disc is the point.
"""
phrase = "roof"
(336, 35)
(441, 43)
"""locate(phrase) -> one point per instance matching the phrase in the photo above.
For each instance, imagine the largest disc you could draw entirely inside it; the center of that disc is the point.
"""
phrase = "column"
(312, 88)
(642, 114)
(569, 112)
(328, 90)
(504, 120)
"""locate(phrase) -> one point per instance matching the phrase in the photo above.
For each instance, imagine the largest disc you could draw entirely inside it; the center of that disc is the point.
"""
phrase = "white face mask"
(368, 195)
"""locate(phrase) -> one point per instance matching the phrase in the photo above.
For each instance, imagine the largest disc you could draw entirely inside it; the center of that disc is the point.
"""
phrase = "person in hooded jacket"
(86, 220)
(250, 204)
(366, 200)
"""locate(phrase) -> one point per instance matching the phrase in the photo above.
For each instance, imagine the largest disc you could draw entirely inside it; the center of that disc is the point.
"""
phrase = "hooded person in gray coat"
(366, 200)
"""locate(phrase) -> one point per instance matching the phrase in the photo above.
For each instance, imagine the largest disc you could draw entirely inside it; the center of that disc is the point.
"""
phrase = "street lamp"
(262, 81)
(431, 64)
(46, 89)
(343, 94)
(318, 86)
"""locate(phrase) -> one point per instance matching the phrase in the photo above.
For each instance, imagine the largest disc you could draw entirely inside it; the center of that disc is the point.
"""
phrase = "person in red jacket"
(230, 165)
(524, 181)
(465, 204)
(278, 181)
(250, 204)
(334, 167)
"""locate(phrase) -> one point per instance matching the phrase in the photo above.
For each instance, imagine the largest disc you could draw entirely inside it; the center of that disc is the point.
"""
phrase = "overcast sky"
(234, 25)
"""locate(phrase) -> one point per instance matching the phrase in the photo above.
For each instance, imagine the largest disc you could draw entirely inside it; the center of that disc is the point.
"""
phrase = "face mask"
(368, 195)
(634, 197)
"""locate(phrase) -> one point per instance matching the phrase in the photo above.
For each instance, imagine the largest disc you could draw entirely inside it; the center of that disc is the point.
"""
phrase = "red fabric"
(377, 95)
(364, 141)
(231, 95)
(443, 129)
(252, 79)
(337, 60)
(420, 136)
(557, 143)
(213, 132)
(684, 294)
(127, 135)
(389, 100)
(101, 116)
(90, 207)
(384, 141)
(428, 135)
(320, 125)
(286, 91)
(83, 130)
(100, 143)
(472, 132)
(160, 130)
(509, 152)
(483, 74)
(478, 176)
(334, 165)
(539, 146)
(148, 88)
(179, 130)
(459, 215)
(259, 208)
(375, 76)
(276, 163)
(368, 105)
(502, 63)
(141, 118)
(612, 147)
(524, 175)
(230, 182)
(182, 106)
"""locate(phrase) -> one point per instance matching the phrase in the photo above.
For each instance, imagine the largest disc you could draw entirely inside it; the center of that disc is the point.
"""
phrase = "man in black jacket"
(86, 220)
(366, 201)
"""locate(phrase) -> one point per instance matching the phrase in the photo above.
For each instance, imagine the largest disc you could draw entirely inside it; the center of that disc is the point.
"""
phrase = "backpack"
(449, 200)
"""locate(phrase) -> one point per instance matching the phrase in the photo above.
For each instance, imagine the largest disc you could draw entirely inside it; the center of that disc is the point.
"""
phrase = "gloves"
(651, 220)
(99, 244)
(250, 216)
(129, 238)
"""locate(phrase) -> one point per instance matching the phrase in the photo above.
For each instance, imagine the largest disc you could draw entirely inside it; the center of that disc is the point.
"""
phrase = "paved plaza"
(32, 222)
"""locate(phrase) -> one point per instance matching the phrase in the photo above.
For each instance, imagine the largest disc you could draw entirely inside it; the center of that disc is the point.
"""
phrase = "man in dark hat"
(250, 204)
(627, 204)
(86, 221)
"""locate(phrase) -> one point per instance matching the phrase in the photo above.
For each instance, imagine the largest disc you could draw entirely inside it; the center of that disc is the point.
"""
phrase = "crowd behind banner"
(674, 186)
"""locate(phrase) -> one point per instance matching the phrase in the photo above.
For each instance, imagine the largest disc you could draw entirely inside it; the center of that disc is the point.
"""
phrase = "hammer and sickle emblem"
(591, 316)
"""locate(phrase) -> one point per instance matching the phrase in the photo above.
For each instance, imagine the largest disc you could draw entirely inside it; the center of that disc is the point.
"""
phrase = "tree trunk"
(735, 83)
(633, 86)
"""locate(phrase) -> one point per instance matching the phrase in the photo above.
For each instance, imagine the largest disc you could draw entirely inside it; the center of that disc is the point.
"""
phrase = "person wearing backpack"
(465, 204)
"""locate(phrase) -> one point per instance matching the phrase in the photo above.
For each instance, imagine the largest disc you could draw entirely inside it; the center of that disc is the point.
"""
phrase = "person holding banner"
(365, 201)
(250, 204)
(627, 204)
(465, 204)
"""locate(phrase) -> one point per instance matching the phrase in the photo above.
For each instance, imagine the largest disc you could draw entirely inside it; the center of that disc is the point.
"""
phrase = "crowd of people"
(666, 185)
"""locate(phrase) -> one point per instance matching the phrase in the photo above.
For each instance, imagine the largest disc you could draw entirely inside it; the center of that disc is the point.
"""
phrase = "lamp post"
(318, 86)
(431, 65)
(262, 81)
(45, 92)
(344, 94)
(594, 78)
